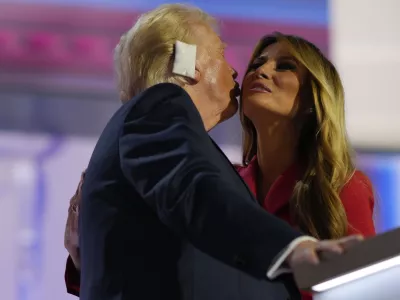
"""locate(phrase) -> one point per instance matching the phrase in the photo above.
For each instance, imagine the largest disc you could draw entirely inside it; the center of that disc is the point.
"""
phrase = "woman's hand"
(71, 236)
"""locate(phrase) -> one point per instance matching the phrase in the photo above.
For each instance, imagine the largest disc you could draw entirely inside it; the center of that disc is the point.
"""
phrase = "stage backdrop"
(56, 78)
(56, 57)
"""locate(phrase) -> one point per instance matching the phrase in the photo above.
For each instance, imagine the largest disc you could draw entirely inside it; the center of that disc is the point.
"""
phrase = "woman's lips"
(260, 87)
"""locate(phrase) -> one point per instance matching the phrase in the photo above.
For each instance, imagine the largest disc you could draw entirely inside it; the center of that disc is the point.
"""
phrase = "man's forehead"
(214, 42)
(209, 40)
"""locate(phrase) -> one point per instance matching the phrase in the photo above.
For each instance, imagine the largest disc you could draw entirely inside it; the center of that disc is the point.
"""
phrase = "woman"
(296, 156)
(297, 159)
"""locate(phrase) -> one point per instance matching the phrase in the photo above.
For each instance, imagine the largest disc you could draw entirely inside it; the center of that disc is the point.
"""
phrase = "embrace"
(163, 214)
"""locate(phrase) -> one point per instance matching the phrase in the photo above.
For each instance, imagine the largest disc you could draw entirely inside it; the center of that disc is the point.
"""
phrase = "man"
(164, 215)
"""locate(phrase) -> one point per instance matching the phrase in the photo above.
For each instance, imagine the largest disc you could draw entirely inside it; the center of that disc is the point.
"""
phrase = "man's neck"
(210, 122)
(207, 110)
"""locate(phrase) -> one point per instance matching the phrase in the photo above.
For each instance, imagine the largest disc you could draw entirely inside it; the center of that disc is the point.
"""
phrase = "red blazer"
(357, 197)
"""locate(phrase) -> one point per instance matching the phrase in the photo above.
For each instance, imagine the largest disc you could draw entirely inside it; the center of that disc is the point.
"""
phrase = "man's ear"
(195, 79)
(197, 75)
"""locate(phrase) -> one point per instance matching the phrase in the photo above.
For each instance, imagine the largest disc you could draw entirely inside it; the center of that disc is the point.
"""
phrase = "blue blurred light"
(384, 172)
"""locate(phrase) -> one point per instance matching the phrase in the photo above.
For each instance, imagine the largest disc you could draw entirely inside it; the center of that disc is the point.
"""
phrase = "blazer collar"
(281, 190)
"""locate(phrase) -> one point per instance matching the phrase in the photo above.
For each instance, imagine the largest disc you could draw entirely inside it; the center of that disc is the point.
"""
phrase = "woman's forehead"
(275, 50)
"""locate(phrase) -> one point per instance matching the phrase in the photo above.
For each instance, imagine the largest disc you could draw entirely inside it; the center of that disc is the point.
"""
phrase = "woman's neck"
(276, 152)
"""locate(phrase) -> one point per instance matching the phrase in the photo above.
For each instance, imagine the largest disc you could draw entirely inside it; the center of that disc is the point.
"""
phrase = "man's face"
(217, 75)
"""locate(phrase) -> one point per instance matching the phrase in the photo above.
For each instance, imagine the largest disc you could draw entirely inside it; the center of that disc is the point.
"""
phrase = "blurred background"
(57, 93)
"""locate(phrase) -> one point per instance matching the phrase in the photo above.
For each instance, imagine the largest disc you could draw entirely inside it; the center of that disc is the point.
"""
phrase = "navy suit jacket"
(164, 214)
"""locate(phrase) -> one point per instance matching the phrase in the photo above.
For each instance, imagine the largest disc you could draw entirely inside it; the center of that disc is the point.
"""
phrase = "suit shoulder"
(164, 103)
(154, 96)
(163, 90)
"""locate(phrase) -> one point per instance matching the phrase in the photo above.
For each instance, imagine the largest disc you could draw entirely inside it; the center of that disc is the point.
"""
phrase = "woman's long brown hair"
(323, 147)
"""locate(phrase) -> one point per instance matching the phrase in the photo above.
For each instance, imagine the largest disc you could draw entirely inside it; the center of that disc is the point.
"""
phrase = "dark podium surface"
(368, 271)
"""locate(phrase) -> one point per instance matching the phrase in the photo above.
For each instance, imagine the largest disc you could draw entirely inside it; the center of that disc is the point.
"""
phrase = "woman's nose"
(264, 72)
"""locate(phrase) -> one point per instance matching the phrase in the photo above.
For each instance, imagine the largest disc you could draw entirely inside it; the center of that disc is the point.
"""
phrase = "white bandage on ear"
(185, 59)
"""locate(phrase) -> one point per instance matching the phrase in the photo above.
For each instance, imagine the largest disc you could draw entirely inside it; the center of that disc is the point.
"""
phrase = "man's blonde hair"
(144, 55)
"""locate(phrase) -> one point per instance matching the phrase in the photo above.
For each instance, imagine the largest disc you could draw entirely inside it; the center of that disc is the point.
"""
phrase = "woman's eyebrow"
(262, 57)
(286, 57)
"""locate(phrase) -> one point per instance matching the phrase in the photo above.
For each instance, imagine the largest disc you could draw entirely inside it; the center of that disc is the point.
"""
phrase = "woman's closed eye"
(281, 66)
(255, 65)
(286, 66)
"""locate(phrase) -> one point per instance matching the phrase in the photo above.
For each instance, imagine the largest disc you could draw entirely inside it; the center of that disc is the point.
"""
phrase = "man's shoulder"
(163, 90)
(163, 102)
(159, 94)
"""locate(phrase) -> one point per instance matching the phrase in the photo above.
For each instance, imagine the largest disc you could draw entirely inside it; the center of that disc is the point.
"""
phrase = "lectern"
(368, 271)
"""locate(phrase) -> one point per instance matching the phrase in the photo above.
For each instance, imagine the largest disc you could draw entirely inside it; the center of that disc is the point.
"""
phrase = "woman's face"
(272, 84)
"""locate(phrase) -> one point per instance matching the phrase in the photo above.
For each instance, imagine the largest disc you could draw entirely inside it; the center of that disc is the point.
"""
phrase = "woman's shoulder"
(359, 182)
(358, 190)
(358, 201)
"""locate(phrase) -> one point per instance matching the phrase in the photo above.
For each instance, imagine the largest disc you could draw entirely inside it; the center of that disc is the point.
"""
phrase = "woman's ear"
(310, 110)
(307, 105)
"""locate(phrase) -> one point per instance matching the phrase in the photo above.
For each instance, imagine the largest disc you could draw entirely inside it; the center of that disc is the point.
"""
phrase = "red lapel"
(280, 191)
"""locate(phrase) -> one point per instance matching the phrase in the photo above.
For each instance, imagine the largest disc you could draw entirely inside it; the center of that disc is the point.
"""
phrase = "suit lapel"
(224, 157)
